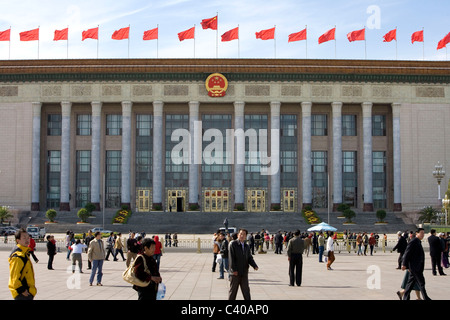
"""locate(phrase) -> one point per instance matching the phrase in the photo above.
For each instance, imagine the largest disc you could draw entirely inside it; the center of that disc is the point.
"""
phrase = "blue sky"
(173, 16)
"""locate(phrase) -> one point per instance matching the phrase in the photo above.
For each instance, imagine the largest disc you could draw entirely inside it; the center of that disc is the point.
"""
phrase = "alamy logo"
(189, 147)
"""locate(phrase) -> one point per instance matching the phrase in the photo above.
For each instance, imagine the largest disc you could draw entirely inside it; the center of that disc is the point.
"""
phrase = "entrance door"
(256, 200)
(176, 200)
(143, 201)
(215, 200)
(289, 200)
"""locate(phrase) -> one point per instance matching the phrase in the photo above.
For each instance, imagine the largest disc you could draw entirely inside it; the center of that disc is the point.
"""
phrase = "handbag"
(219, 259)
(129, 274)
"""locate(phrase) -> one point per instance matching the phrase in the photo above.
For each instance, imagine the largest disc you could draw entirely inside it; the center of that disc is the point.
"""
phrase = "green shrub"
(83, 214)
(51, 215)
(90, 207)
(381, 214)
(349, 215)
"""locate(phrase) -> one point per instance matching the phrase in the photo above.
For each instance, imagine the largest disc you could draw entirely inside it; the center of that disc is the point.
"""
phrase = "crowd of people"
(233, 253)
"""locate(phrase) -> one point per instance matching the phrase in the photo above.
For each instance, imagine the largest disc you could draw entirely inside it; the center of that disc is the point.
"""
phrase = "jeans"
(157, 258)
(96, 264)
(321, 248)
(223, 266)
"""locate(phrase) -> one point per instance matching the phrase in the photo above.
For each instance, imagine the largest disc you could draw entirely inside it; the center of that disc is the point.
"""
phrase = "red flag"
(5, 35)
(391, 35)
(417, 36)
(90, 34)
(266, 34)
(327, 36)
(232, 34)
(301, 35)
(121, 34)
(357, 35)
(444, 41)
(31, 35)
(210, 23)
(61, 34)
(151, 34)
(187, 34)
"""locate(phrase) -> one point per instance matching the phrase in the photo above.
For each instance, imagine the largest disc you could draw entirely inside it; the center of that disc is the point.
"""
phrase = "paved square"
(188, 276)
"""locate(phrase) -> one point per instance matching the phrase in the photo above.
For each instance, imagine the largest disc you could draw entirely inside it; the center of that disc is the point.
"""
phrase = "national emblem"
(216, 85)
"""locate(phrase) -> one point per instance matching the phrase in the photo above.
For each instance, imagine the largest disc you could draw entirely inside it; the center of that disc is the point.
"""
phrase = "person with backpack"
(21, 273)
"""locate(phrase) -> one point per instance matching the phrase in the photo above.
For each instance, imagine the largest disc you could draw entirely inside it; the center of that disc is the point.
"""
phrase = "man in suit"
(400, 247)
(240, 258)
(295, 249)
(435, 252)
(414, 261)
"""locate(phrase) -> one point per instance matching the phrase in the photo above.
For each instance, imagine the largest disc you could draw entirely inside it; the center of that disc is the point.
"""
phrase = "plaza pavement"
(187, 276)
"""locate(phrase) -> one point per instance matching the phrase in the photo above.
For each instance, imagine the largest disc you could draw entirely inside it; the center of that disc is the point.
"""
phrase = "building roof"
(233, 69)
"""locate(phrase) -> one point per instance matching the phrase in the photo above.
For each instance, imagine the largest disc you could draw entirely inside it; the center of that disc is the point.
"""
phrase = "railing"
(205, 246)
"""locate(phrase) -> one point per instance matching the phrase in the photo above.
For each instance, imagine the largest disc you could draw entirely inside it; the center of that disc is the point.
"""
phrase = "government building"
(367, 133)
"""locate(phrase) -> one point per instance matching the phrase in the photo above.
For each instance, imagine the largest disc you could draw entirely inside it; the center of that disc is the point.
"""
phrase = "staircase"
(209, 222)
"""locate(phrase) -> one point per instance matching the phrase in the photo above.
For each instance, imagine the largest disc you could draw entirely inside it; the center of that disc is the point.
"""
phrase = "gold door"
(143, 201)
(215, 200)
(176, 200)
(256, 200)
(289, 200)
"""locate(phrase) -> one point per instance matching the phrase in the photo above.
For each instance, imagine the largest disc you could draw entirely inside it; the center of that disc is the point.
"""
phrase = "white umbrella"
(322, 227)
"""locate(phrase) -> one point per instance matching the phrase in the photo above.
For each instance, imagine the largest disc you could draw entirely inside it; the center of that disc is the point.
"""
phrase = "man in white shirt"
(330, 249)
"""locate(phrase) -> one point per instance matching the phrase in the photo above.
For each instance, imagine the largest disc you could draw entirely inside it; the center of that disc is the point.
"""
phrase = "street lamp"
(439, 173)
(445, 205)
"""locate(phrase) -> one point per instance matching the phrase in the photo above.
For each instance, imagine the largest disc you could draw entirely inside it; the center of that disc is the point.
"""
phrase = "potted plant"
(83, 214)
(381, 214)
(349, 215)
(51, 215)
(4, 214)
(341, 208)
(428, 214)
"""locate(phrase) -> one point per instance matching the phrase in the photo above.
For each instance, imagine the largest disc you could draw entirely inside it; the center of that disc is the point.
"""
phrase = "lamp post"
(439, 173)
(445, 205)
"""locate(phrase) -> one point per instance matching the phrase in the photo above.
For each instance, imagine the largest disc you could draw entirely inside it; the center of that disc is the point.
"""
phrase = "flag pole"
(98, 26)
(217, 36)
(335, 55)
(9, 50)
(274, 41)
(39, 28)
(396, 52)
(306, 29)
(423, 43)
(129, 28)
(157, 42)
(365, 44)
(67, 42)
(194, 41)
(239, 45)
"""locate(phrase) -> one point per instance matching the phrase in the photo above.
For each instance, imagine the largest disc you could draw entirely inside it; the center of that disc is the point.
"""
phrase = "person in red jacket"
(372, 242)
(32, 246)
(157, 255)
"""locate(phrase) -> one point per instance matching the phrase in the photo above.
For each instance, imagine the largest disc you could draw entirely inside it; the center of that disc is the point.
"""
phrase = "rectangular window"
(84, 125)
(54, 124)
(319, 179)
(348, 125)
(214, 174)
(253, 166)
(177, 175)
(319, 125)
(288, 150)
(379, 125)
(113, 178)
(379, 179)
(144, 151)
(113, 124)
(53, 178)
(83, 178)
(349, 178)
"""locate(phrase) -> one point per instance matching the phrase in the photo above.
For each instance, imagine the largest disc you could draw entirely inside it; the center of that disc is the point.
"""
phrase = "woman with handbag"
(146, 270)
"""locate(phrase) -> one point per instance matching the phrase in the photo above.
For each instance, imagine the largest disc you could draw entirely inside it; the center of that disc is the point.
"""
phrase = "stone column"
(35, 170)
(239, 167)
(397, 157)
(275, 177)
(367, 148)
(126, 153)
(306, 147)
(193, 165)
(95, 153)
(337, 154)
(64, 204)
(158, 167)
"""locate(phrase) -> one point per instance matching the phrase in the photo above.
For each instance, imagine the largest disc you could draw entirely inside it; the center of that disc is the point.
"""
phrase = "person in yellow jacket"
(21, 273)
